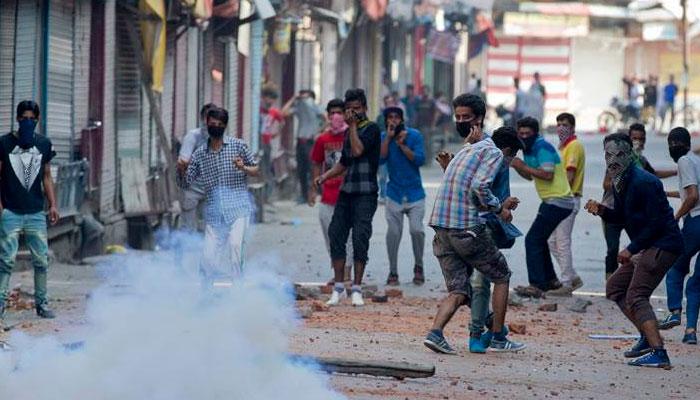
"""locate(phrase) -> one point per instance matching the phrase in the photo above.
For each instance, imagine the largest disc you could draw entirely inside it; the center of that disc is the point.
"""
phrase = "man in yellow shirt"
(543, 165)
(574, 161)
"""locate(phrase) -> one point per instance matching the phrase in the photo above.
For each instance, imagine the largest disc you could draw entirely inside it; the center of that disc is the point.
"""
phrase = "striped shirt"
(465, 190)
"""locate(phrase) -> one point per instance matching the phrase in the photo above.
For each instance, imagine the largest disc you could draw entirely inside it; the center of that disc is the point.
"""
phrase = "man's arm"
(337, 170)
(185, 178)
(384, 148)
(413, 148)
(356, 145)
(666, 173)
(483, 178)
(691, 200)
(571, 175)
(654, 200)
(528, 172)
(247, 163)
(288, 108)
(50, 194)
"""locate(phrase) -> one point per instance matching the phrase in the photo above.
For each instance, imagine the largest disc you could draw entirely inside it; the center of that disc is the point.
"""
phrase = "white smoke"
(154, 334)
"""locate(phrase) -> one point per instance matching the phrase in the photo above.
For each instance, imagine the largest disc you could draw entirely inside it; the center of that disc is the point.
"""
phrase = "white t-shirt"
(689, 175)
(192, 140)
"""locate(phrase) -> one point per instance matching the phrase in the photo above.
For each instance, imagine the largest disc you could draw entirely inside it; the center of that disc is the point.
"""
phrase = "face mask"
(618, 158)
(361, 116)
(463, 128)
(529, 142)
(26, 133)
(338, 124)
(677, 152)
(638, 147)
(215, 131)
(564, 133)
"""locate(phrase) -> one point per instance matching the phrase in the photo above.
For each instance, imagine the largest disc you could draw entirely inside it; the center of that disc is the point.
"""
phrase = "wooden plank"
(134, 189)
(398, 370)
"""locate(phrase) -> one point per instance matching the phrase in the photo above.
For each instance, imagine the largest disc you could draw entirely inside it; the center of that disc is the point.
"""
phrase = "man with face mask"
(543, 165)
(612, 232)
(193, 198)
(640, 205)
(25, 186)
(403, 153)
(462, 240)
(689, 211)
(325, 154)
(222, 165)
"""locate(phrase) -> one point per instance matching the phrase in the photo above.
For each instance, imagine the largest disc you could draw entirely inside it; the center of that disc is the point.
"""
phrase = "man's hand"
(318, 182)
(53, 215)
(506, 215)
(475, 134)
(182, 166)
(311, 201)
(517, 163)
(401, 138)
(238, 162)
(511, 203)
(390, 131)
(625, 257)
(350, 118)
(443, 158)
(593, 207)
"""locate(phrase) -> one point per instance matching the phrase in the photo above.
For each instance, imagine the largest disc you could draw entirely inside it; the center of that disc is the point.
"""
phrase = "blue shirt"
(644, 211)
(670, 92)
(501, 189)
(405, 182)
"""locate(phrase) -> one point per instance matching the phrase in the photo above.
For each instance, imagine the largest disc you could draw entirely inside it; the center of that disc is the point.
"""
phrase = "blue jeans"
(382, 178)
(481, 293)
(676, 275)
(540, 269)
(33, 227)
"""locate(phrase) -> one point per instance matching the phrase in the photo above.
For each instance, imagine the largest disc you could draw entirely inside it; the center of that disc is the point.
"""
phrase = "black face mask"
(529, 142)
(463, 128)
(215, 131)
(677, 152)
(25, 133)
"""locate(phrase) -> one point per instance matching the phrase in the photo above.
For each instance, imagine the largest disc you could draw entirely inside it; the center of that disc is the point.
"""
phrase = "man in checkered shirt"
(222, 165)
(357, 201)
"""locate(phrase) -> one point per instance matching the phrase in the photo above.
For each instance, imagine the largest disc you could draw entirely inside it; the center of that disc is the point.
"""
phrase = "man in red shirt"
(324, 155)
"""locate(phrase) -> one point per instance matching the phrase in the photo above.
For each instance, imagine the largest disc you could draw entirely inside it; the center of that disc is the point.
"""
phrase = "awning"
(153, 38)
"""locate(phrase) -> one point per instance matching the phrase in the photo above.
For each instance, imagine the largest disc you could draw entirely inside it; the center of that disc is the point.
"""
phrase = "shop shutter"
(128, 91)
(59, 85)
(81, 68)
(7, 64)
(27, 61)
(108, 177)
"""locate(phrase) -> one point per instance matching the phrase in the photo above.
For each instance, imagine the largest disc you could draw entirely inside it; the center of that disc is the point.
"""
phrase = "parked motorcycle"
(619, 114)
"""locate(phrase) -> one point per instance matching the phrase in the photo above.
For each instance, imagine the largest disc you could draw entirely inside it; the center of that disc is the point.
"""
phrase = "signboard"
(541, 25)
(652, 31)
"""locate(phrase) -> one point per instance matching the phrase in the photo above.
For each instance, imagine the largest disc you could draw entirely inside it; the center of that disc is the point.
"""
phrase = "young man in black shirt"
(25, 183)
(357, 201)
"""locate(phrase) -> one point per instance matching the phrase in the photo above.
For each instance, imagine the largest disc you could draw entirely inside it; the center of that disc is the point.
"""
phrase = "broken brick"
(393, 293)
(549, 307)
(517, 328)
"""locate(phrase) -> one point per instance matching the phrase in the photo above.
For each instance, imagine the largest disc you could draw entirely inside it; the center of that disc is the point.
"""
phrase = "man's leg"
(10, 227)
(363, 211)
(188, 217)
(302, 156)
(540, 268)
(338, 232)
(616, 289)
(236, 245)
(394, 220)
(416, 213)
(37, 242)
(481, 294)
(560, 246)
(210, 256)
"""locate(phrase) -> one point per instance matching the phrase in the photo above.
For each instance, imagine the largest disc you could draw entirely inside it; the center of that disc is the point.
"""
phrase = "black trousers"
(352, 212)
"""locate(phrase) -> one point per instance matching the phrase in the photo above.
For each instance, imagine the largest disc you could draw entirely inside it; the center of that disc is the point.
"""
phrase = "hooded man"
(640, 205)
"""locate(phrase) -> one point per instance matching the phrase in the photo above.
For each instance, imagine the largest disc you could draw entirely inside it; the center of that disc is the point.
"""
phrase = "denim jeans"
(481, 293)
(540, 269)
(33, 227)
(382, 178)
(676, 275)
(612, 234)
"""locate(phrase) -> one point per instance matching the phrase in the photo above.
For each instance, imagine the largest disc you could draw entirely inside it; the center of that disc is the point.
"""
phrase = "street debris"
(380, 298)
(548, 307)
(397, 370)
(580, 305)
(393, 293)
(517, 328)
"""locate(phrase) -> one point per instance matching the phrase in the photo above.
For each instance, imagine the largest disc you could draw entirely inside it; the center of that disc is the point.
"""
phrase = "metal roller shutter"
(7, 63)
(59, 85)
(216, 73)
(108, 181)
(180, 88)
(81, 68)
(128, 92)
(27, 65)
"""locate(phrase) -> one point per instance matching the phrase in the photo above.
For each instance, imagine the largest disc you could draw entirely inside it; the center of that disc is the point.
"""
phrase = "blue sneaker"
(438, 344)
(476, 344)
(688, 338)
(672, 320)
(655, 359)
(506, 345)
(639, 349)
(488, 335)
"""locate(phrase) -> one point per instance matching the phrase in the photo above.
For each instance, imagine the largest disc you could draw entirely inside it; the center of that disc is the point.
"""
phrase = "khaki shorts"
(461, 251)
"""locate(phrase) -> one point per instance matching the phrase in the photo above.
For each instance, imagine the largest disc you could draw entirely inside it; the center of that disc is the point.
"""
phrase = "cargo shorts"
(461, 251)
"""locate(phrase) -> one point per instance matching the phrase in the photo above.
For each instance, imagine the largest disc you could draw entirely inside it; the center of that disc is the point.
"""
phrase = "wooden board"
(398, 370)
(133, 184)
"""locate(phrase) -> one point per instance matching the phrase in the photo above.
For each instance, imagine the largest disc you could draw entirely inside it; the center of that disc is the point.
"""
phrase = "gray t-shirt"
(309, 118)
(689, 175)
(191, 142)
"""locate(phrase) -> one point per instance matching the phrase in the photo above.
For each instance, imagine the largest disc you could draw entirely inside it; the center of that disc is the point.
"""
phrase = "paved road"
(292, 243)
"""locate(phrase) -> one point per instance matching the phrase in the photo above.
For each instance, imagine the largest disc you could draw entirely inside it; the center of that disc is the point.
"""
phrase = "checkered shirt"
(225, 186)
(465, 190)
(361, 175)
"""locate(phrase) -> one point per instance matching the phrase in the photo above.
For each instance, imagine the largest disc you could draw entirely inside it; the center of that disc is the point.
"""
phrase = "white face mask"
(638, 146)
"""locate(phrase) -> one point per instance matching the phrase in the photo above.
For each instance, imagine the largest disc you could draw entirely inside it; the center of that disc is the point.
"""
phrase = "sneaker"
(336, 296)
(577, 283)
(506, 345)
(487, 336)
(690, 338)
(357, 299)
(43, 311)
(418, 276)
(655, 359)
(639, 349)
(552, 285)
(672, 320)
(393, 279)
(476, 345)
(564, 291)
(438, 344)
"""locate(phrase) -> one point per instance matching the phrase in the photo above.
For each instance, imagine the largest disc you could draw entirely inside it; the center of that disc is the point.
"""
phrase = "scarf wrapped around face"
(618, 159)
(564, 133)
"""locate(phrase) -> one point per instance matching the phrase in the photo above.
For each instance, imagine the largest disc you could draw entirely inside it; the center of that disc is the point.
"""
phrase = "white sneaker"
(336, 297)
(357, 299)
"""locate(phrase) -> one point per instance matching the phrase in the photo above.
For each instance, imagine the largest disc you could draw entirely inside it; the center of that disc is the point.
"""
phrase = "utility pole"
(686, 55)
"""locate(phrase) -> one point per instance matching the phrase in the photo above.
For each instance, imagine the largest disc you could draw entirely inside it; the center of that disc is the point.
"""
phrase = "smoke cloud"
(153, 333)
